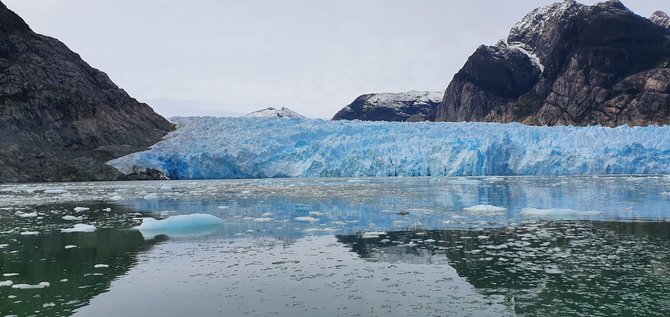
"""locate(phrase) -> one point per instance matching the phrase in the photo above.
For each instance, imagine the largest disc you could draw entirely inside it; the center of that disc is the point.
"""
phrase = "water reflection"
(545, 268)
(71, 272)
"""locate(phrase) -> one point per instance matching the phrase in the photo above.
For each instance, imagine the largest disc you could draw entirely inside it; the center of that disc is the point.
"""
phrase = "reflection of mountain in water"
(71, 273)
(575, 268)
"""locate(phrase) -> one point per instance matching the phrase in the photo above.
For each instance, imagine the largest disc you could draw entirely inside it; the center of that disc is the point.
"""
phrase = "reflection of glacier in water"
(293, 208)
(212, 148)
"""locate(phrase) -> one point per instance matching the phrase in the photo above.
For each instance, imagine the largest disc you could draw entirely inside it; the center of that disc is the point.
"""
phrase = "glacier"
(216, 148)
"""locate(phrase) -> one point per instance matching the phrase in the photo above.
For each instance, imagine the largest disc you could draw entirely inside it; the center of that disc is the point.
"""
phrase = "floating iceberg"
(208, 147)
(180, 226)
(80, 227)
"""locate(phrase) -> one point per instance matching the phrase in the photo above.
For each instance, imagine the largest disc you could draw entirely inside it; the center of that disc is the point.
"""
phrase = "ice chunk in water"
(306, 219)
(485, 209)
(29, 286)
(80, 209)
(6, 283)
(80, 227)
(101, 266)
(73, 218)
(180, 226)
(558, 213)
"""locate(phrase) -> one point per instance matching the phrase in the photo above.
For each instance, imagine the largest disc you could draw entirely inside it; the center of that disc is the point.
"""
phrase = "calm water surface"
(496, 246)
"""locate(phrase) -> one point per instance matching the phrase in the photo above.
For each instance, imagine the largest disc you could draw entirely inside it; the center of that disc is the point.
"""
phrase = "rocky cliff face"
(406, 106)
(61, 119)
(569, 64)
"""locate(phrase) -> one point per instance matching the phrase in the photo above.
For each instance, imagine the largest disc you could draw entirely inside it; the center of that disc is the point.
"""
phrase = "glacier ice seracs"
(209, 147)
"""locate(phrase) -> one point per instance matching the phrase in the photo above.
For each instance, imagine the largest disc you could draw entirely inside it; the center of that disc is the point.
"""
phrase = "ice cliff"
(208, 147)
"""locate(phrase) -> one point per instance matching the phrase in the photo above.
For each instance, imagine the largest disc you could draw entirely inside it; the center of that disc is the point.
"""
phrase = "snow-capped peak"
(275, 113)
(661, 19)
(533, 28)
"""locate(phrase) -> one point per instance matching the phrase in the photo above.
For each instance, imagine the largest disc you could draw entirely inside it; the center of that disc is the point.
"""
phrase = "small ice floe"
(64, 280)
(316, 213)
(107, 209)
(101, 266)
(223, 207)
(29, 286)
(73, 218)
(4, 245)
(6, 283)
(56, 191)
(47, 305)
(306, 219)
(10, 274)
(29, 233)
(313, 230)
(373, 234)
(485, 209)
(558, 212)
(180, 226)
(81, 209)
(80, 227)
(70, 246)
(665, 193)
(27, 214)
(151, 196)
(262, 219)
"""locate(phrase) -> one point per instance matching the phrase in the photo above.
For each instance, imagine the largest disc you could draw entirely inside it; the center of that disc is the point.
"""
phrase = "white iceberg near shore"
(208, 147)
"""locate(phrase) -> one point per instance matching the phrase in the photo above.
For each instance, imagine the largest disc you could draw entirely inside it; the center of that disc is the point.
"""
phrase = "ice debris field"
(209, 148)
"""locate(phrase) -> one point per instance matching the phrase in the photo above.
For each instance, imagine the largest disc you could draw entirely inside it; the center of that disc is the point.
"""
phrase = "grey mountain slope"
(61, 119)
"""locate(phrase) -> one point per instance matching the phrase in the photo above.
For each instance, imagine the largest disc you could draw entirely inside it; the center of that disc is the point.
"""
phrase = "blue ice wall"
(208, 147)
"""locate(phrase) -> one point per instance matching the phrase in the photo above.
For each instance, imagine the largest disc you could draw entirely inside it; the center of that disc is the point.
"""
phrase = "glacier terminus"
(219, 148)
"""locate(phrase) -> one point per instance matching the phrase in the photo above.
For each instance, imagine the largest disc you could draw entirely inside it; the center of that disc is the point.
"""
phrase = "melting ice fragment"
(485, 209)
(558, 213)
(180, 226)
(80, 209)
(80, 227)
(6, 283)
(306, 219)
(73, 218)
(29, 286)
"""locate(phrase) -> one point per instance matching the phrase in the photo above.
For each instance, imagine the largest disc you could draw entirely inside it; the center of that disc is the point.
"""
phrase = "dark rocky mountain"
(405, 106)
(569, 64)
(61, 119)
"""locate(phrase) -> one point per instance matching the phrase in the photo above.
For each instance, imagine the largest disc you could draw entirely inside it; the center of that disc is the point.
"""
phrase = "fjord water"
(466, 246)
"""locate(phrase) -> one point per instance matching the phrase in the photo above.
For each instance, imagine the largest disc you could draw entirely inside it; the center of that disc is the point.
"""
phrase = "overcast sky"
(219, 57)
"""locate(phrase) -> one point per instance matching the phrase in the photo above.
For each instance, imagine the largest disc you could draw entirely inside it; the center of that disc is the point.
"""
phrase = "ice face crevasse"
(208, 147)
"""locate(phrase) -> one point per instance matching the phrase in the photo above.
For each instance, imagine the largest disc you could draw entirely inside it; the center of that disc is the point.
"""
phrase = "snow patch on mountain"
(275, 113)
(399, 100)
(661, 19)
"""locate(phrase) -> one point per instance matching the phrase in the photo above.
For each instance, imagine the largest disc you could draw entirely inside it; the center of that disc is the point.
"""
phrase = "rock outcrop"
(569, 64)
(405, 106)
(271, 112)
(61, 119)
